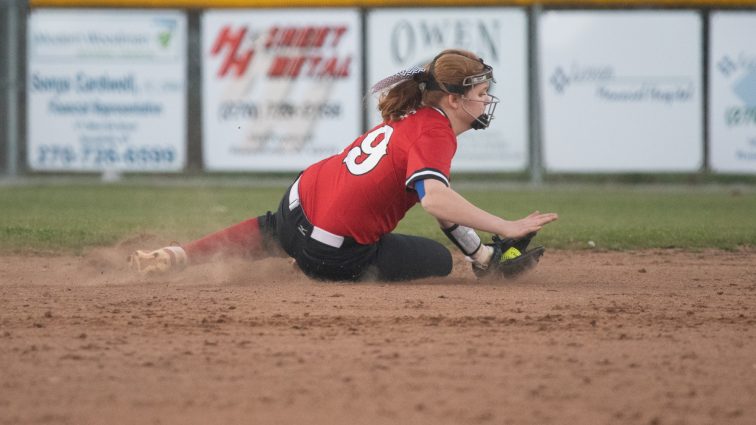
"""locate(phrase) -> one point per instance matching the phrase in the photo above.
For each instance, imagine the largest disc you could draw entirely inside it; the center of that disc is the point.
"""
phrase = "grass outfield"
(70, 219)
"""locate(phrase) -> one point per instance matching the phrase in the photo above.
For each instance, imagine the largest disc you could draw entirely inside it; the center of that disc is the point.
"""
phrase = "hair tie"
(415, 73)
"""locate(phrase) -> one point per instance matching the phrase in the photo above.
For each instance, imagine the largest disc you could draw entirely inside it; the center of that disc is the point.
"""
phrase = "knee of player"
(443, 261)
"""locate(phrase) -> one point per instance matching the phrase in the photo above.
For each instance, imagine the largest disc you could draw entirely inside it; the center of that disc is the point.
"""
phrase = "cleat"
(160, 261)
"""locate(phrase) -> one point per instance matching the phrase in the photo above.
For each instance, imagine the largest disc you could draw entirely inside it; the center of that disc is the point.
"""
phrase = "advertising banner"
(732, 92)
(402, 38)
(106, 90)
(281, 88)
(621, 91)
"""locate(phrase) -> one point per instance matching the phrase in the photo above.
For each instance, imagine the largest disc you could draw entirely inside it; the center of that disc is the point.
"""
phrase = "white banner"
(401, 38)
(281, 88)
(732, 92)
(621, 91)
(106, 90)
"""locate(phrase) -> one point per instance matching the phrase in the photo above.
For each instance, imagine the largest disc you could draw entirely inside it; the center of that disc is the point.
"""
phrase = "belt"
(320, 235)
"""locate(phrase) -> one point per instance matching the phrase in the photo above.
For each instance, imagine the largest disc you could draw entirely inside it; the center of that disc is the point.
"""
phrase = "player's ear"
(454, 100)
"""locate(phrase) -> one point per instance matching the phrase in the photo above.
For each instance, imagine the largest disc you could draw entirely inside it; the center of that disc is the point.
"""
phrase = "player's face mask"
(483, 120)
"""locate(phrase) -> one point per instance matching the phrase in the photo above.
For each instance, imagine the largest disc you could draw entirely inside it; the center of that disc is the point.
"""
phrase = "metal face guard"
(483, 120)
(486, 75)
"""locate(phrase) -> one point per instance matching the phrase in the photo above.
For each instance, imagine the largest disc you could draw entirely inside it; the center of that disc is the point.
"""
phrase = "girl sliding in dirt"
(336, 219)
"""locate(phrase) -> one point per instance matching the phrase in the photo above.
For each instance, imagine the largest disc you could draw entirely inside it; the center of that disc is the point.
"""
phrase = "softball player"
(336, 219)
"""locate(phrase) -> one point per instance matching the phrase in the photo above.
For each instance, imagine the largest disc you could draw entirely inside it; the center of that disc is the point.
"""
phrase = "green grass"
(71, 219)
(621, 218)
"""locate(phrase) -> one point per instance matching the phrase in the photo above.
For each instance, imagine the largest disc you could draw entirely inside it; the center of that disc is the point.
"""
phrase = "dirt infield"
(662, 337)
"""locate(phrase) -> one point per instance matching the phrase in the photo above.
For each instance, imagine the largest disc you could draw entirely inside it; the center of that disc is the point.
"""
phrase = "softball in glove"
(510, 259)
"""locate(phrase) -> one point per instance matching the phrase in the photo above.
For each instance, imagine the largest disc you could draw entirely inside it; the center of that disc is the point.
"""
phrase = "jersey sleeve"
(430, 156)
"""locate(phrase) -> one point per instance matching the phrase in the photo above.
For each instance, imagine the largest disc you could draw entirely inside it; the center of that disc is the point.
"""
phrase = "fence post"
(536, 160)
(12, 37)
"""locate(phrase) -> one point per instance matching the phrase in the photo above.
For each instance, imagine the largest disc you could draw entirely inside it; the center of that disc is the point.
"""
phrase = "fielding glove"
(510, 258)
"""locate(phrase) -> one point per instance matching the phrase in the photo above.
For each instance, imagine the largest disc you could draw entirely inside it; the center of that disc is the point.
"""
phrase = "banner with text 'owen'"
(402, 38)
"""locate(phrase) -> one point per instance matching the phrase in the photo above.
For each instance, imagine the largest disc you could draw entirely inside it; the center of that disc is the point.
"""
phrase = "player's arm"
(449, 208)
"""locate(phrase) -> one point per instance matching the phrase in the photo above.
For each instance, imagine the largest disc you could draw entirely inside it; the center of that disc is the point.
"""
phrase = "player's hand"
(532, 223)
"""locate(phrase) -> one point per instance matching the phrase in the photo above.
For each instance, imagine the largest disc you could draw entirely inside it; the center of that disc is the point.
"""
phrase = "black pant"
(394, 257)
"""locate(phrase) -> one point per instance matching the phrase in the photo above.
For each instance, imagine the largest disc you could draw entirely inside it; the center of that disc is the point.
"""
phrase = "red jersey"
(365, 191)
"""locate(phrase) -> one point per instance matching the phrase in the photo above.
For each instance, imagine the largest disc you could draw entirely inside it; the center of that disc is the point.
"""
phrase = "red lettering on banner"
(314, 62)
(320, 37)
(283, 66)
(304, 37)
(296, 66)
(235, 59)
(271, 35)
(312, 66)
(339, 31)
(278, 66)
(287, 38)
(335, 68)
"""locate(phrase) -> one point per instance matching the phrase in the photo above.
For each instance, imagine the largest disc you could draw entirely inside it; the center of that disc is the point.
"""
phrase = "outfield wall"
(583, 91)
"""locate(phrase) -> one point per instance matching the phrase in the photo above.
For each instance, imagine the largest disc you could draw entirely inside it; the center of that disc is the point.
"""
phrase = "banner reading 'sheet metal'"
(281, 87)
(732, 92)
(106, 90)
(401, 38)
(621, 91)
